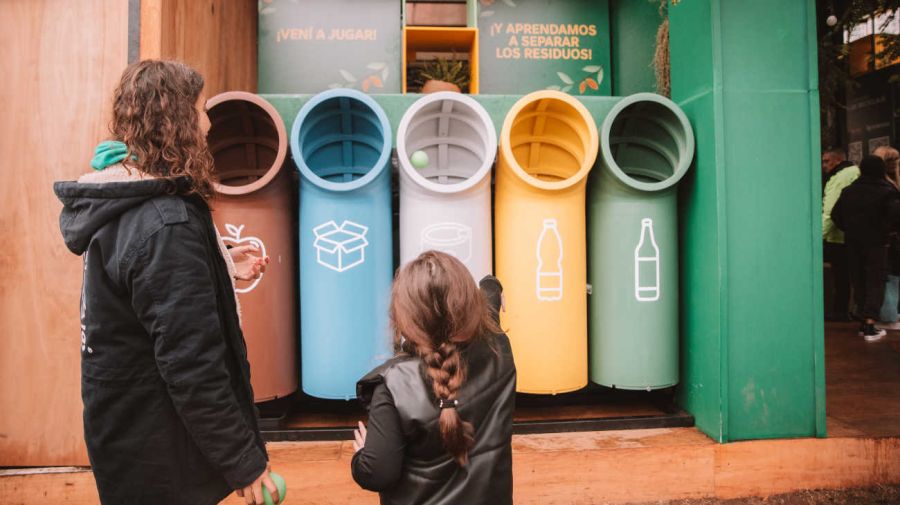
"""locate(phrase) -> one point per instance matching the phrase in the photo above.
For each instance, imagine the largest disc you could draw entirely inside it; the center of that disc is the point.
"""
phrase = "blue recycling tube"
(341, 144)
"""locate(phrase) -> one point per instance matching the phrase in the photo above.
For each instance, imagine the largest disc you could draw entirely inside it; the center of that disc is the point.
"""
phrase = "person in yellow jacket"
(839, 173)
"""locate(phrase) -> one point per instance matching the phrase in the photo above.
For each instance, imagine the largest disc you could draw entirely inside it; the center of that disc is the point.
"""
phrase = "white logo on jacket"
(84, 346)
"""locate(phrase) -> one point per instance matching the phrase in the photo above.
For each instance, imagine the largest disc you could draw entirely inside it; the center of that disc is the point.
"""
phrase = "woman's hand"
(248, 266)
(253, 495)
(359, 435)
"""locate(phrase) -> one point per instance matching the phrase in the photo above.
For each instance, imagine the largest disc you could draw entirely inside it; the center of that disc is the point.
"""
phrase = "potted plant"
(443, 74)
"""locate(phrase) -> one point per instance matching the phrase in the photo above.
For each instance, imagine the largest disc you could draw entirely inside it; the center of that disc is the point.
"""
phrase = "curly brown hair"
(155, 116)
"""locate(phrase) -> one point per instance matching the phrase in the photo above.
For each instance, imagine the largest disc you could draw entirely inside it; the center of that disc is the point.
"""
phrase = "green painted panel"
(314, 45)
(633, 25)
(769, 50)
(770, 289)
(756, 190)
(701, 279)
(527, 45)
(701, 223)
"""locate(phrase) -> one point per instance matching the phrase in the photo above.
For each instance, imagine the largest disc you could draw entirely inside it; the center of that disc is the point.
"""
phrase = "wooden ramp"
(571, 468)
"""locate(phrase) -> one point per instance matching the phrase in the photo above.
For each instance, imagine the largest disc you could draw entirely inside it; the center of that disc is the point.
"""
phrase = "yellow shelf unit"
(441, 39)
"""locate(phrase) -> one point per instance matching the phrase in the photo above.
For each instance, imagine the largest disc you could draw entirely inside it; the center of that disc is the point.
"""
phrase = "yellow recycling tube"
(548, 145)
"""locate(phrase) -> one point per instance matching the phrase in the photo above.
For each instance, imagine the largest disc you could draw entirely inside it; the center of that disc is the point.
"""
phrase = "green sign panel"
(312, 45)
(527, 45)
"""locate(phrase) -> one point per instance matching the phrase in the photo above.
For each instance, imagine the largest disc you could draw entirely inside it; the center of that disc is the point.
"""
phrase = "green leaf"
(566, 88)
(347, 76)
(592, 68)
(600, 76)
(565, 78)
(554, 87)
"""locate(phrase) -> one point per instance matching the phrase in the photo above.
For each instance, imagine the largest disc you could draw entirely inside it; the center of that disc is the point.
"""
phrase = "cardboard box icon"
(341, 247)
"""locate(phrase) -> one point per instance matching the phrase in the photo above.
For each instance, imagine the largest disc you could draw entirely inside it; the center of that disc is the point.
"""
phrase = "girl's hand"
(253, 495)
(359, 435)
(248, 266)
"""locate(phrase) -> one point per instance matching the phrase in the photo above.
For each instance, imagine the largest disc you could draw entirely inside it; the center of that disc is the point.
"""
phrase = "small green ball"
(280, 484)
(419, 159)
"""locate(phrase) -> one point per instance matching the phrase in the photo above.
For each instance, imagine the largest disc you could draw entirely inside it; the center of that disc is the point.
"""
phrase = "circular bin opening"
(456, 134)
(247, 141)
(341, 139)
(550, 139)
(647, 142)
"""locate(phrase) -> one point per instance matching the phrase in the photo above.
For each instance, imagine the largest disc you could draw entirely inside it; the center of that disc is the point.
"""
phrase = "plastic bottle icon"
(646, 265)
(549, 268)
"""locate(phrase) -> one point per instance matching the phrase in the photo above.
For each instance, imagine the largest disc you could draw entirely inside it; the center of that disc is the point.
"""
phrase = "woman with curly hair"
(440, 413)
(168, 407)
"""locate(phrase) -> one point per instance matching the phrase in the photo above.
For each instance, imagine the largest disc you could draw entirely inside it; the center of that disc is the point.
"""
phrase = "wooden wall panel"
(217, 37)
(61, 61)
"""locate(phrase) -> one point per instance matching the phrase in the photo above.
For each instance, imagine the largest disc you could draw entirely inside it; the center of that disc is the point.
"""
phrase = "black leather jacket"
(404, 459)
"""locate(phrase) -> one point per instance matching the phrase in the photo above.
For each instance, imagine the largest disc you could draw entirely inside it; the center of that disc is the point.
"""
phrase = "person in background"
(890, 157)
(868, 211)
(889, 312)
(169, 416)
(837, 174)
(440, 413)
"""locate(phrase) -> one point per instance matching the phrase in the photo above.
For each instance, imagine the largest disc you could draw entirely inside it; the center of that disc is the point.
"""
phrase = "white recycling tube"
(446, 145)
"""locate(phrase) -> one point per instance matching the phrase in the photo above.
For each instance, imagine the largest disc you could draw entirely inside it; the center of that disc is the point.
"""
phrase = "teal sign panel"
(526, 45)
(312, 45)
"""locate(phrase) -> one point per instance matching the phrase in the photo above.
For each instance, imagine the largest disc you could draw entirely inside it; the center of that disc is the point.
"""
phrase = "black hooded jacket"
(868, 211)
(168, 408)
(404, 458)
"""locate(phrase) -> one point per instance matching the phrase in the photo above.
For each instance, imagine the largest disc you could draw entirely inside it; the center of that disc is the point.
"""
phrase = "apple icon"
(234, 238)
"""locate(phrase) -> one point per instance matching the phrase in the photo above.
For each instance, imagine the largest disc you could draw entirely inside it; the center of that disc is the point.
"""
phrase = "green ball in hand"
(280, 484)
(419, 159)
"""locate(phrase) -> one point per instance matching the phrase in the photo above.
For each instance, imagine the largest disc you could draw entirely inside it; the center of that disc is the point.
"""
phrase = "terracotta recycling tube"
(548, 145)
(647, 147)
(248, 143)
(341, 143)
(446, 145)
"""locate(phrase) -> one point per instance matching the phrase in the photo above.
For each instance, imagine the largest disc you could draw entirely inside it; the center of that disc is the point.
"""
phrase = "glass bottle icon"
(646, 265)
(549, 263)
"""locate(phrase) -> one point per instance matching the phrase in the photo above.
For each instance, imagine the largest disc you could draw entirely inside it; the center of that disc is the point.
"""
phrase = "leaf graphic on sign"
(600, 76)
(376, 66)
(592, 68)
(267, 10)
(347, 76)
(553, 87)
(384, 74)
(486, 14)
(565, 78)
(566, 89)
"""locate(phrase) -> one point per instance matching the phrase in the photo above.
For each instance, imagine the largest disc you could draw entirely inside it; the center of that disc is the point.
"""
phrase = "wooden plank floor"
(862, 383)
(572, 468)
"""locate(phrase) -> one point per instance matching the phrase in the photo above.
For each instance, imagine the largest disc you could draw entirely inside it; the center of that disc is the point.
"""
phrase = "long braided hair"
(436, 310)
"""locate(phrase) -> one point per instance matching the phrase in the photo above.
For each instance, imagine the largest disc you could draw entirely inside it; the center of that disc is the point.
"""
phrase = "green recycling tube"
(646, 147)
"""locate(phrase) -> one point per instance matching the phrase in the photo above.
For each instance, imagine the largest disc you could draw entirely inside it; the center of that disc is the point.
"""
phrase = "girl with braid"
(440, 412)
